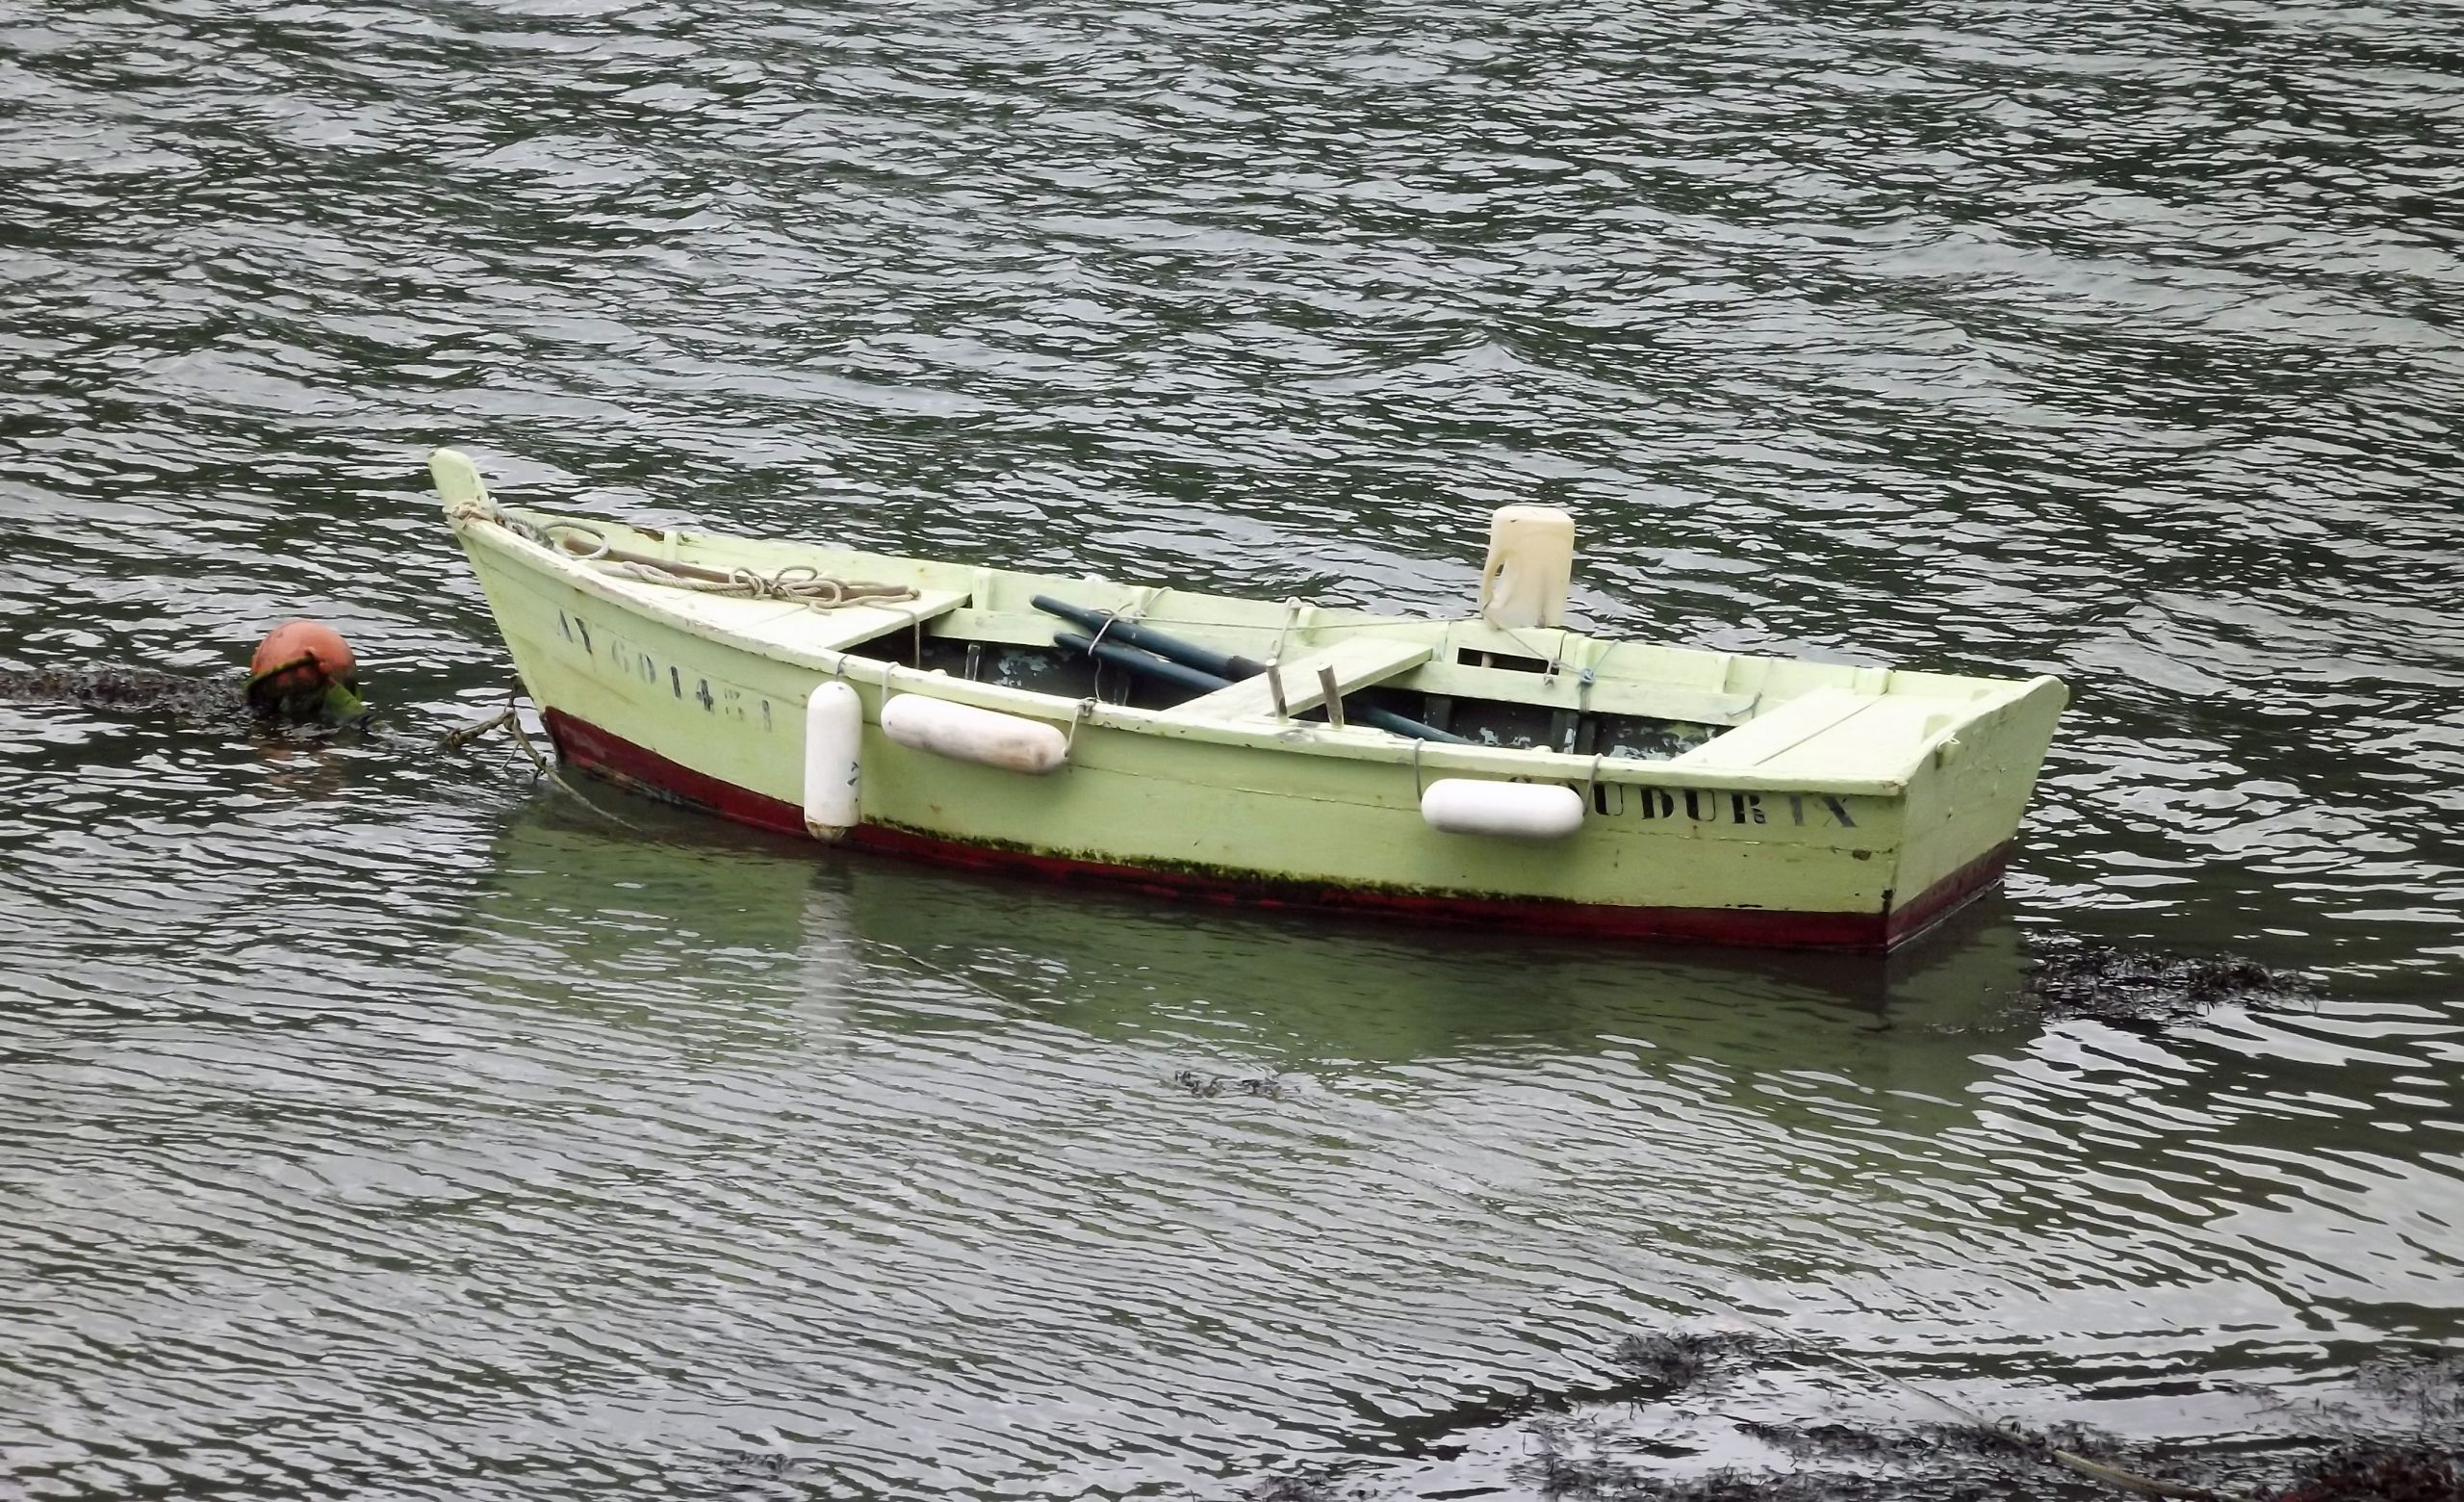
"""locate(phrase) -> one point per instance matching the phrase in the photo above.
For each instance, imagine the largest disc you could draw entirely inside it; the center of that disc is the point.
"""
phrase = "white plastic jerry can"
(1530, 566)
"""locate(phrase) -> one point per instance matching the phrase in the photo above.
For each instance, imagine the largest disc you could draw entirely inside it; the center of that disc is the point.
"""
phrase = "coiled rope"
(798, 583)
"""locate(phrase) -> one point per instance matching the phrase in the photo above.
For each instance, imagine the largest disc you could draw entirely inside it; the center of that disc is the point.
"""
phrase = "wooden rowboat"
(1499, 771)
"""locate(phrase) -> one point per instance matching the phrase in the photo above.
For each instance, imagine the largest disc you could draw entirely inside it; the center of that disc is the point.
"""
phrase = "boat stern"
(1965, 798)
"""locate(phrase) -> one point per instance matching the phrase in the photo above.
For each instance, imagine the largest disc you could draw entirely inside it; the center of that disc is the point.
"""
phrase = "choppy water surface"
(376, 1124)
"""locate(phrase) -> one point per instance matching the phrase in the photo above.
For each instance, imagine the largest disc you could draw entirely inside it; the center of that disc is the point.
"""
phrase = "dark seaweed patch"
(1927, 1443)
(1836, 1462)
(2371, 1473)
(1310, 1484)
(1209, 1086)
(1579, 1447)
(2428, 1389)
(2145, 989)
(2408, 1397)
(1653, 1366)
(131, 691)
(2427, 1394)
(1672, 1361)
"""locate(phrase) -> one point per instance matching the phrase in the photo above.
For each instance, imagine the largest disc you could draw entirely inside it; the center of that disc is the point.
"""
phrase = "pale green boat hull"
(1837, 806)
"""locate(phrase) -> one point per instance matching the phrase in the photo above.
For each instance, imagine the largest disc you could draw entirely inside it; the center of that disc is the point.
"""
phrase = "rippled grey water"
(377, 1123)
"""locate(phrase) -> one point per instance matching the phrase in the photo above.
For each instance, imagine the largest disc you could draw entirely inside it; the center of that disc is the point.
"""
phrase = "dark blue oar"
(1145, 665)
(1189, 654)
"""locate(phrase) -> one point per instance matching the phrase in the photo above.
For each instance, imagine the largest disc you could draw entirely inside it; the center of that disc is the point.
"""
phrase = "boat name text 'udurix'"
(1718, 806)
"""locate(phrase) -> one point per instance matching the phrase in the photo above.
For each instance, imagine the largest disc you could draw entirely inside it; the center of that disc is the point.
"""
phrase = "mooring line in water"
(456, 740)
(565, 785)
(509, 719)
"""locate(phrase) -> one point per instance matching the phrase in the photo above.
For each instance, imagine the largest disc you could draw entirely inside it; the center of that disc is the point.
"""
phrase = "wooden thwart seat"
(1879, 740)
(1357, 662)
(1775, 730)
(1833, 732)
(836, 631)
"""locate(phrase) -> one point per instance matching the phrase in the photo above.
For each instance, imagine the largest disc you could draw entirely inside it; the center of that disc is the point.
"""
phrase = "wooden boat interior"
(1556, 689)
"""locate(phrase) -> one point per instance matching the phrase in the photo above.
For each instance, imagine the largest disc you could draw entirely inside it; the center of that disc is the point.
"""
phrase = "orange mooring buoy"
(305, 670)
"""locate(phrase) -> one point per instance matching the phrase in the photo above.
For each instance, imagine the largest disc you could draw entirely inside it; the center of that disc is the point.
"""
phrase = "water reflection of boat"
(715, 923)
(1307, 993)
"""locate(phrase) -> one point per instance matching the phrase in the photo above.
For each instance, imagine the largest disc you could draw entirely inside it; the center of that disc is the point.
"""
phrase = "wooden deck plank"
(789, 623)
(1776, 730)
(1357, 661)
(1879, 740)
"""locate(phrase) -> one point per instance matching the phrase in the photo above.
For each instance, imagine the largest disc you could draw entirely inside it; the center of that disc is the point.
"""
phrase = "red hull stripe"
(587, 746)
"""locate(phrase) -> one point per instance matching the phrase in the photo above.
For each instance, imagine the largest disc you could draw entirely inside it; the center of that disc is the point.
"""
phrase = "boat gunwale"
(482, 525)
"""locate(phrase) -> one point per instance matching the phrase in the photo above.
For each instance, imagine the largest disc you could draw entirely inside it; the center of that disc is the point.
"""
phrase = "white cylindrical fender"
(964, 732)
(834, 760)
(1517, 811)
